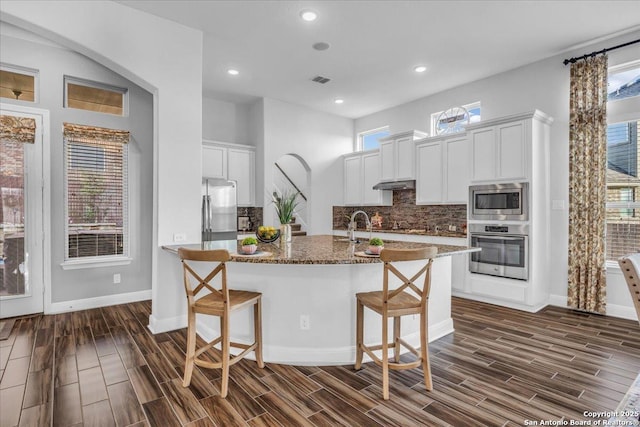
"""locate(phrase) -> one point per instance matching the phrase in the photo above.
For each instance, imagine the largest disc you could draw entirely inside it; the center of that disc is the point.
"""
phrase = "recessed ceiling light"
(420, 69)
(339, 101)
(233, 72)
(308, 15)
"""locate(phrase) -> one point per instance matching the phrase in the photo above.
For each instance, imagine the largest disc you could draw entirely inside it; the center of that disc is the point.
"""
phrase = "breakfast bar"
(309, 287)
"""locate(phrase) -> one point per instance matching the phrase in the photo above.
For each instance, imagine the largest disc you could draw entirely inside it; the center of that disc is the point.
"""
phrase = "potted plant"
(285, 203)
(249, 245)
(376, 245)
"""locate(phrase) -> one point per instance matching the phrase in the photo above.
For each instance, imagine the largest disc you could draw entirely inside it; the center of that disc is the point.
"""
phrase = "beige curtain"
(587, 184)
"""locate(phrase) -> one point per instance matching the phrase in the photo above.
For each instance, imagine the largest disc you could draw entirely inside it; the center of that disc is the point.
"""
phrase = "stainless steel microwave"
(499, 202)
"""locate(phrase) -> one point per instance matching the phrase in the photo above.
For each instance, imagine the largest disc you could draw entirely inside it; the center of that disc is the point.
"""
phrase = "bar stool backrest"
(630, 265)
(191, 256)
(389, 256)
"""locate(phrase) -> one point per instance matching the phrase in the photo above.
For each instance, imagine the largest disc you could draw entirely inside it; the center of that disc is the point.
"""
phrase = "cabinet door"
(241, 168)
(511, 150)
(370, 177)
(214, 162)
(429, 175)
(483, 154)
(405, 158)
(353, 180)
(387, 160)
(457, 182)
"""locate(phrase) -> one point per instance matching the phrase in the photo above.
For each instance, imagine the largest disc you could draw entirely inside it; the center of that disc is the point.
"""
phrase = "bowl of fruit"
(267, 234)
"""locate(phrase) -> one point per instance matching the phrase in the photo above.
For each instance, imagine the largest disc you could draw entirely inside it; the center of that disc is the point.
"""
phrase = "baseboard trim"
(501, 303)
(613, 310)
(158, 326)
(345, 355)
(96, 302)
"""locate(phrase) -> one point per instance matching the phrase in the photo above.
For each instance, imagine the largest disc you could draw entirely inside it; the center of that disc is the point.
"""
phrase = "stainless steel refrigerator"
(219, 210)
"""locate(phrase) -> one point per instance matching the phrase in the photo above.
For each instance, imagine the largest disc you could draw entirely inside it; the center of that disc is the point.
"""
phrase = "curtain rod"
(592, 54)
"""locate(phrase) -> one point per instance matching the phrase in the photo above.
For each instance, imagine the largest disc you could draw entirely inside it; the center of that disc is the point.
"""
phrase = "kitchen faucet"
(352, 225)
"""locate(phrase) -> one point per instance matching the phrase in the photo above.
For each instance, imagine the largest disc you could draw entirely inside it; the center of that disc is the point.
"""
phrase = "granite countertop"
(322, 249)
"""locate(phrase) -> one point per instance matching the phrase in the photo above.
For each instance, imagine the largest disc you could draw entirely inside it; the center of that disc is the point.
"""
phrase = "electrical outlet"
(116, 278)
(305, 322)
(452, 228)
(179, 237)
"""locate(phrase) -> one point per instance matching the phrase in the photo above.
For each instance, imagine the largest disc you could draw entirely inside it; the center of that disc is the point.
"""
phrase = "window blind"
(623, 189)
(96, 177)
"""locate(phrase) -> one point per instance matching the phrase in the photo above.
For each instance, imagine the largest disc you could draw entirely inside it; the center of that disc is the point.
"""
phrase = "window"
(623, 189)
(18, 83)
(370, 139)
(624, 82)
(474, 116)
(96, 196)
(93, 96)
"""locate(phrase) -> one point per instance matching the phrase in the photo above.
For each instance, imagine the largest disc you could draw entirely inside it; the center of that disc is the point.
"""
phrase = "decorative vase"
(285, 233)
(375, 249)
(249, 249)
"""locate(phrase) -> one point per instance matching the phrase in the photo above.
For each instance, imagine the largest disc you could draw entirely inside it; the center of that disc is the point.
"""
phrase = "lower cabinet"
(442, 170)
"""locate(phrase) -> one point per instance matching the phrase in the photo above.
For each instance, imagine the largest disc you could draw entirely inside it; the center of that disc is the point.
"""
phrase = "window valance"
(18, 129)
(95, 134)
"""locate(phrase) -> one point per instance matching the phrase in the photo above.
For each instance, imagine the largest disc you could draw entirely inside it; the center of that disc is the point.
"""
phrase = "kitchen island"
(309, 288)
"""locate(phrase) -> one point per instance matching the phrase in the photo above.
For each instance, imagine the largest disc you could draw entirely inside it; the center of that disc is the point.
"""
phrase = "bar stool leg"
(385, 357)
(396, 339)
(191, 348)
(359, 333)
(257, 331)
(225, 355)
(424, 351)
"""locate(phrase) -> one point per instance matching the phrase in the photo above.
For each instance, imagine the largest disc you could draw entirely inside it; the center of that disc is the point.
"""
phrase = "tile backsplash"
(254, 214)
(407, 215)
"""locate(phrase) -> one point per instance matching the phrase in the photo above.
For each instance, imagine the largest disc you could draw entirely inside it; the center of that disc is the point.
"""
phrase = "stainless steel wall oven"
(499, 202)
(505, 250)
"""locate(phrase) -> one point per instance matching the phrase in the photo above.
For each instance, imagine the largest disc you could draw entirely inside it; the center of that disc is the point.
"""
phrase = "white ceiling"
(376, 44)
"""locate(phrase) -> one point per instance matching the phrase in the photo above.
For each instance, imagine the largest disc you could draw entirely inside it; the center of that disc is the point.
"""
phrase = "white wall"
(225, 121)
(320, 139)
(53, 63)
(153, 53)
(543, 85)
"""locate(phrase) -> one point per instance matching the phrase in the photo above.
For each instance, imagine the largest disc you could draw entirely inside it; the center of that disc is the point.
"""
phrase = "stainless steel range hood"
(408, 184)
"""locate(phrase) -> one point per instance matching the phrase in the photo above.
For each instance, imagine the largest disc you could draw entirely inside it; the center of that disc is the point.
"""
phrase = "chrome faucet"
(352, 225)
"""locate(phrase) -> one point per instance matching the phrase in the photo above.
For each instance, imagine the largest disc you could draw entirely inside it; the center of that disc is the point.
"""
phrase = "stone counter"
(321, 249)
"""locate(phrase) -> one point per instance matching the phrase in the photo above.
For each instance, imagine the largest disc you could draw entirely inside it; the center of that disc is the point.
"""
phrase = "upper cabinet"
(442, 165)
(397, 155)
(504, 149)
(233, 162)
(361, 173)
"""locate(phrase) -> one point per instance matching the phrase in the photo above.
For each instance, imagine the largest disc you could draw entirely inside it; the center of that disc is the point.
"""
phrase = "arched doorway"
(292, 172)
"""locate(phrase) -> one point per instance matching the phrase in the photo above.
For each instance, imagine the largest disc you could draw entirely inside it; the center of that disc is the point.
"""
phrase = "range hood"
(408, 184)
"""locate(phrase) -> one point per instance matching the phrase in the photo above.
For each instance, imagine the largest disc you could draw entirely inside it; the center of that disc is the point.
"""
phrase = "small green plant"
(376, 241)
(249, 241)
(285, 203)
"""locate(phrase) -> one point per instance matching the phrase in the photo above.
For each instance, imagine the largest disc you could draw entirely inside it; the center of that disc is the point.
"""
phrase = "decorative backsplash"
(406, 215)
(255, 216)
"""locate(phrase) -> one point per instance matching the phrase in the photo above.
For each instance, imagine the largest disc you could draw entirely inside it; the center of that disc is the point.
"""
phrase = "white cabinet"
(499, 152)
(361, 173)
(214, 162)
(397, 155)
(241, 168)
(442, 170)
(233, 162)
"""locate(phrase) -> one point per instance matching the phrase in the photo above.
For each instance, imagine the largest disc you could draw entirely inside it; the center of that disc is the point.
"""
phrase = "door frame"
(46, 195)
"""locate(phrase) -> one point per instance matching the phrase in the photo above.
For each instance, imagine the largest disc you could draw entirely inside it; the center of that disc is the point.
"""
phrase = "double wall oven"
(499, 213)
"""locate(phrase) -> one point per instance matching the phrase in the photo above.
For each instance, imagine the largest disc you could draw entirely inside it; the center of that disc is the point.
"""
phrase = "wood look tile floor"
(102, 367)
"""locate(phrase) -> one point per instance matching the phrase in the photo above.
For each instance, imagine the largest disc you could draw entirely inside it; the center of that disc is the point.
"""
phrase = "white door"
(21, 215)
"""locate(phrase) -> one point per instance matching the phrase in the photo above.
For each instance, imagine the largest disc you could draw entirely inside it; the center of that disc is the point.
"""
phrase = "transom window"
(474, 116)
(18, 83)
(624, 81)
(93, 96)
(370, 140)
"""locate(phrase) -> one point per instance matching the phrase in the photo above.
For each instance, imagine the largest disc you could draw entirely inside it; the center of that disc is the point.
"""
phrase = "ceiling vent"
(320, 79)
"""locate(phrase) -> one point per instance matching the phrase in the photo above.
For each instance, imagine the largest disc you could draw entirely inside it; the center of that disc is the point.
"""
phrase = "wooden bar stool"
(220, 302)
(407, 299)
(630, 266)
